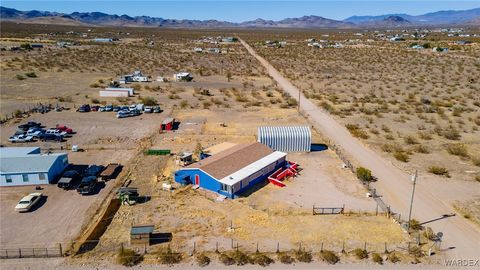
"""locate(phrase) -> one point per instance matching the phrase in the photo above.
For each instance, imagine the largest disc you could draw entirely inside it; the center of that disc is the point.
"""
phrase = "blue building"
(20, 166)
(234, 170)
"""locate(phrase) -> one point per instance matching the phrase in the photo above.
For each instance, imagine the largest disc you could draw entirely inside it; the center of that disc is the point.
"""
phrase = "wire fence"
(31, 252)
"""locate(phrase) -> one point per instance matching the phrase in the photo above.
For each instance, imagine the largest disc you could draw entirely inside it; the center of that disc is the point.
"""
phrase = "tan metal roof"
(232, 159)
(218, 148)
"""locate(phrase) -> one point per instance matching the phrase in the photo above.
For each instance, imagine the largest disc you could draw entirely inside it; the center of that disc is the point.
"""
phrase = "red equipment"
(281, 174)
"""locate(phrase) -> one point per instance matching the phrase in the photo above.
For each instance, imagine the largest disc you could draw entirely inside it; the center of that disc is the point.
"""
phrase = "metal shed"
(140, 234)
(286, 138)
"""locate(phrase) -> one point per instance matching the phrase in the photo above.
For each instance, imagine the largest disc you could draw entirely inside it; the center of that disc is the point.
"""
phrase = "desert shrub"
(451, 133)
(292, 102)
(18, 113)
(457, 149)
(240, 258)
(410, 140)
(429, 234)
(169, 257)
(424, 136)
(303, 256)
(202, 260)
(360, 253)
(149, 101)
(401, 156)
(364, 174)
(206, 104)
(438, 171)
(415, 251)
(477, 178)
(262, 259)
(31, 74)
(393, 258)
(329, 256)
(421, 149)
(95, 101)
(95, 85)
(285, 258)
(183, 104)
(356, 131)
(128, 257)
(376, 258)
(20, 77)
(476, 161)
(389, 137)
(225, 259)
(415, 225)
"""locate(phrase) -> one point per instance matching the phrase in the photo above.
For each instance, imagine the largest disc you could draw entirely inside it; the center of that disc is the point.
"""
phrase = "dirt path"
(460, 236)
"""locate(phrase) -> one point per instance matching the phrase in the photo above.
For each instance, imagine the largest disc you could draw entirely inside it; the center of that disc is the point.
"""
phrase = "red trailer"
(167, 124)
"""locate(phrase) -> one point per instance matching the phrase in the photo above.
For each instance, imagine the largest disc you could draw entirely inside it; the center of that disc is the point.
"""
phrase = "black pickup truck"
(69, 180)
(87, 185)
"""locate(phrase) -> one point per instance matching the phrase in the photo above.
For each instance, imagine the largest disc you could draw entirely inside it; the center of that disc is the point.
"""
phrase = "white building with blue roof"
(20, 166)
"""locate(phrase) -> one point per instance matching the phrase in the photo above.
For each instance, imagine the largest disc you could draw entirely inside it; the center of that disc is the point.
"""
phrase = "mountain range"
(451, 17)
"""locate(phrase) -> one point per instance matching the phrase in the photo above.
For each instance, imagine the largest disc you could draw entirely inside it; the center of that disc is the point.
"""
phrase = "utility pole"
(414, 180)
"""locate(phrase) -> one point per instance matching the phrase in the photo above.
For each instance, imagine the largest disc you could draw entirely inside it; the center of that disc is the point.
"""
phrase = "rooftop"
(232, 159)
(26, 160)
(18, 151)
(141, 229)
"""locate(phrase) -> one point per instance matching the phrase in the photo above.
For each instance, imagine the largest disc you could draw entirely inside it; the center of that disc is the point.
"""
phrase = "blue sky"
(237, 11)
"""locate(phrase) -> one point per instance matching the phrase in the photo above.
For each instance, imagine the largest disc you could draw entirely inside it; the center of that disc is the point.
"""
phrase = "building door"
(197, 180)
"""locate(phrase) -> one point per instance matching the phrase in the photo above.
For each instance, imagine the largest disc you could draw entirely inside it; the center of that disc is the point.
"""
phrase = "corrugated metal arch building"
(286, 138)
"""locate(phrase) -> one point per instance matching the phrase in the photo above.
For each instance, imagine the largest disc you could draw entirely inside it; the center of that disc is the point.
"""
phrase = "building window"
(8, 178)
(25, 177)
(224, 187)
(41, 177)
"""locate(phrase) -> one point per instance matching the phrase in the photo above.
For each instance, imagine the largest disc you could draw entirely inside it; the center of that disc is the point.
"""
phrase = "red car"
(95, 108)
(64, 128)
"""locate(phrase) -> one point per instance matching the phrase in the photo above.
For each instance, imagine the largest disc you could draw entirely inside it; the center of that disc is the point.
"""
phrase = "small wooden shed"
(167, 124)
(141, 234)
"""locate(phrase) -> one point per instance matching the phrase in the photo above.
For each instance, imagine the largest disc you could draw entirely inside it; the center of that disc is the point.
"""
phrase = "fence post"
(194, 246)
(365, 247)
(121, 247)
(232, 243)
(60, 248)
(6, 253)
(46, 252)
(278, 247)
(386, 250)
(237, 246)
(216, 247)
(321, 247)
(300, 246)
(257, 248)
(33, 252)
(343, 247)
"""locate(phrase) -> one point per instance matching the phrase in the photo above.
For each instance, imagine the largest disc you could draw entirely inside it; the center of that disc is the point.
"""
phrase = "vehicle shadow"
(39, 204)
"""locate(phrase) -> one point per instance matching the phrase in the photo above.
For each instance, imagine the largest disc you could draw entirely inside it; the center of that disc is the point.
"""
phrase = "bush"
(225, 259)
(202, 260)
(20, 77)
(329, 256)
(401, 156)
(149, 101)
(476, 161)
(415, 225)
(451, 133)
(303, 256)
(183, 104)
(285, 258)
(393, 258)
(410, 140)
(18, 113)
(415, 251)
(439, 171)
(457, 149)
(364, 174)
(240, 258)
(360, 253)
(356, 131)
(31, 75)
(377, 258)
(422, 149)
(169, 257)
(95, 101)
(262, 260)
(128, 257)
(429, 234)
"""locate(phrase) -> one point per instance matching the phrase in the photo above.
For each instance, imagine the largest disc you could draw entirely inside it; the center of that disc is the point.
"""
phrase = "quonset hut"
(286, 138)
(234, 170)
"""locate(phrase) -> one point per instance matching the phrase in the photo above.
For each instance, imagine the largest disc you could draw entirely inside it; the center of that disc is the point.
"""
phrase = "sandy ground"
(393, 183)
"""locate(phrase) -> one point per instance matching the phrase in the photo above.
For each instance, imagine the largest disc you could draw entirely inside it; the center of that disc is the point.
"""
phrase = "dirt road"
(461, 237)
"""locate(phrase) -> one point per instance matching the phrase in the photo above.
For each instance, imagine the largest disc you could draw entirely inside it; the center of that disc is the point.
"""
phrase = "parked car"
(20, 138)
(35, 132)
(116, 108)
(93, 170)
(69, 180)
(109, 108)
(56, 132)
(148, 109)
(50, 137)
(19, 132)
(64, 128)
(102, 109)
(27, 202)
(124, 108)
(132, 107)
(29, 125)
(87, 185)
(95, 108)
(157, 109)
(84, 108)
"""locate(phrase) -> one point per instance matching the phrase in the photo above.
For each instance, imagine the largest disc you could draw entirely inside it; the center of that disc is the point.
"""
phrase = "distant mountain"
(434, 18)
(103, 19)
